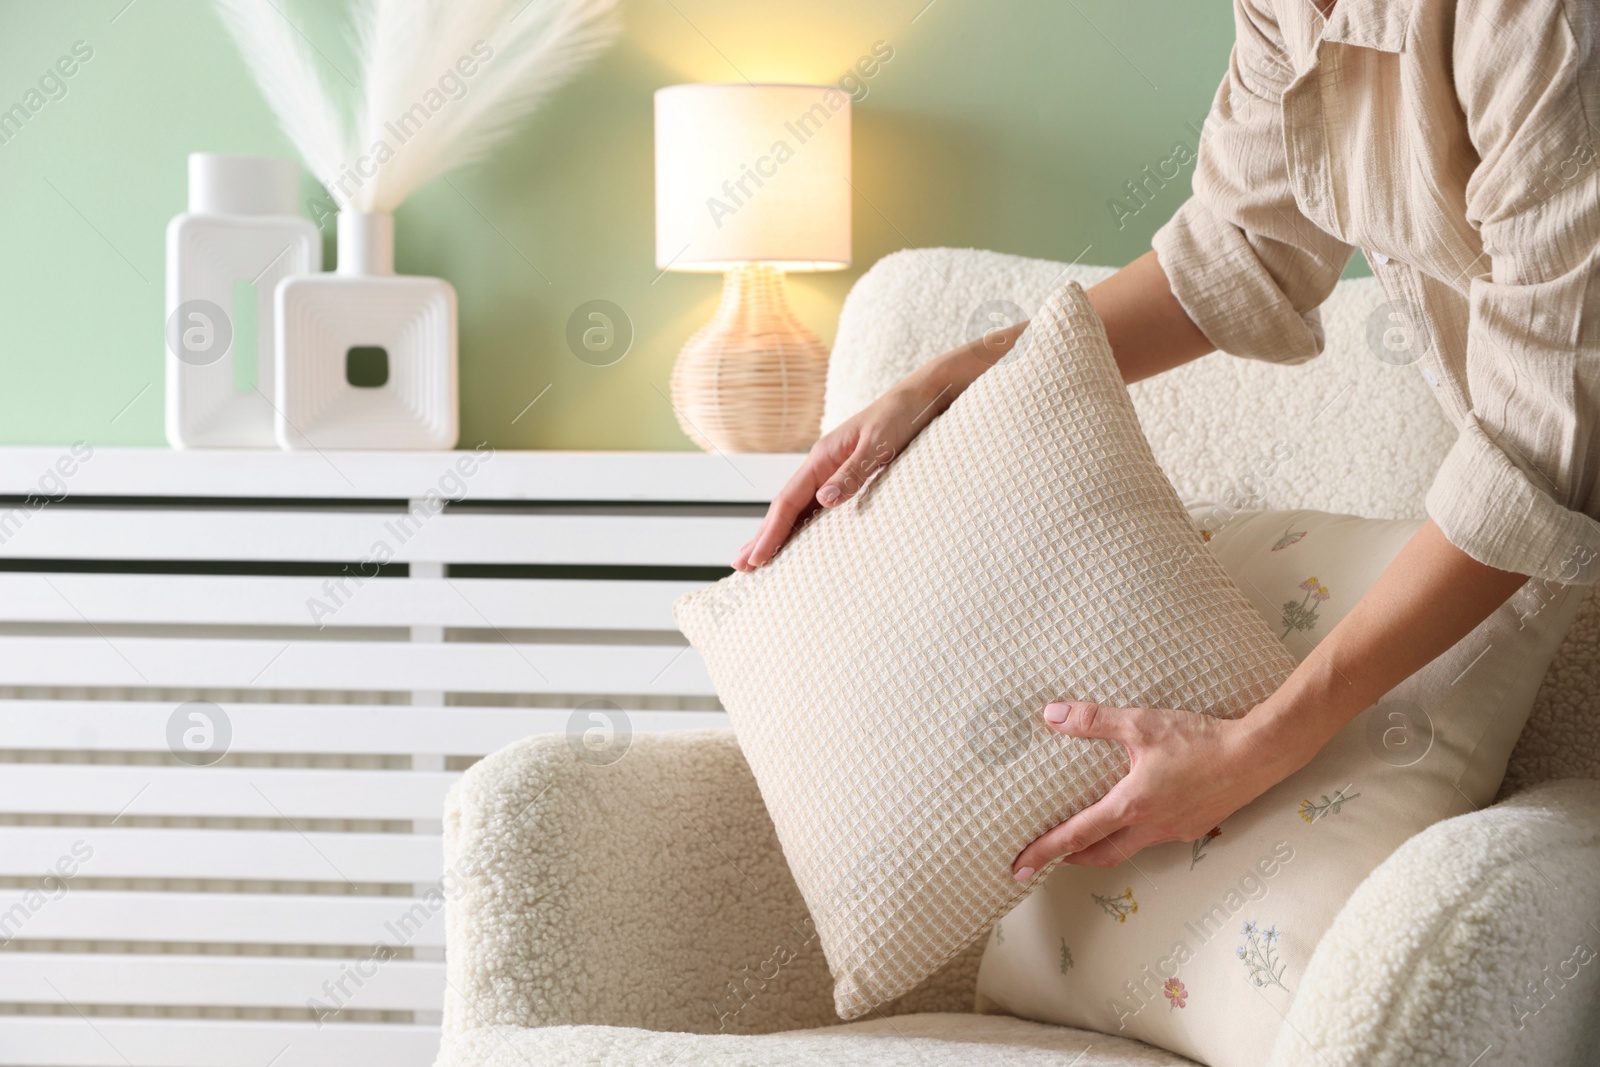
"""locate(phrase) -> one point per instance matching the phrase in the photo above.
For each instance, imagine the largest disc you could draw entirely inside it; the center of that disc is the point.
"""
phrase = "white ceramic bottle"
(241, 235)
(403, 323)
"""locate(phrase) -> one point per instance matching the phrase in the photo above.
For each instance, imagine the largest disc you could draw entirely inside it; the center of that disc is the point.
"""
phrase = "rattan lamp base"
(751, 379)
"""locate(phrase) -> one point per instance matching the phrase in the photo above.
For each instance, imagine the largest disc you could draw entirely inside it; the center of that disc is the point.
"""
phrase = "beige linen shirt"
(1453, 140)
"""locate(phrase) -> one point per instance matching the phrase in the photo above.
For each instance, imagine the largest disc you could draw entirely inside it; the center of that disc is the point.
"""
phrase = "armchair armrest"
(1476, 942)
(647, 893)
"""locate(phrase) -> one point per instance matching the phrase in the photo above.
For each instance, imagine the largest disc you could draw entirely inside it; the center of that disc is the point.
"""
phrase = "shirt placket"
(1305, 144)
(1308, 144)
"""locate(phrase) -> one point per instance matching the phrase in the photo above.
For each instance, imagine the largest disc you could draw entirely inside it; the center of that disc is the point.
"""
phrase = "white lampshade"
(752, 174)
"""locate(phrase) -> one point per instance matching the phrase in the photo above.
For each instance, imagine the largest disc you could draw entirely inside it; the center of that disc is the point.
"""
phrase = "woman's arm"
(1189, 772)
(1148, 329)
(1149, 333)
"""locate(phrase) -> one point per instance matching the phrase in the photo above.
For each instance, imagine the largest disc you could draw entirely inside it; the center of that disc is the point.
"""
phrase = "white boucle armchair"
(641, 912)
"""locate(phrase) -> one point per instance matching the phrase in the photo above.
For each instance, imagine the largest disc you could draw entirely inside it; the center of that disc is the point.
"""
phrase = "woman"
(1451, 140)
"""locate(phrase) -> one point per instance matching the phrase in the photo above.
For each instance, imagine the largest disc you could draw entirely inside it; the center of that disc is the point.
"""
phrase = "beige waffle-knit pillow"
(885, 674)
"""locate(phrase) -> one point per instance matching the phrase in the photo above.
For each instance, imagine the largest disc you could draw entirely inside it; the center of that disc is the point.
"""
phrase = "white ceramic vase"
(241, 235)
(401, 327)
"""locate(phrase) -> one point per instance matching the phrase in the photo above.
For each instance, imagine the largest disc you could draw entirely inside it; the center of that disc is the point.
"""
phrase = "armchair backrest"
(1354, 431)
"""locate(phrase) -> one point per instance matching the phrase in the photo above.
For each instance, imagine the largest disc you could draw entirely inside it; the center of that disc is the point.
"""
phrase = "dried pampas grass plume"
(441, 82)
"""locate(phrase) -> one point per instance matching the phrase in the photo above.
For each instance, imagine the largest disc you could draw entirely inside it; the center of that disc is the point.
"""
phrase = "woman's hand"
(1149, 332)
(838, 465)
(841, 462)
(1188, 773)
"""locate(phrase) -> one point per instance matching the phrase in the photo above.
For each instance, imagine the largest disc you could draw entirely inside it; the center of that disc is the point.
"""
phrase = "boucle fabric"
(1562, 735)
(886, 673)
(1344, 433)
(913, 305)
(1474, 943)
(1430, 961)
(906, 1041)
(648, 893)
(1200, 947)
(606, 895)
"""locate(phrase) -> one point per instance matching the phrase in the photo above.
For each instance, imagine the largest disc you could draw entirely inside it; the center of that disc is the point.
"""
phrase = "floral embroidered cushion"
(887, 672)
(1198, 946)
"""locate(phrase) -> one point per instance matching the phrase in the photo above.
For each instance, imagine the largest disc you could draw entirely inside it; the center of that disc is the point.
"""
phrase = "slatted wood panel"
(217, 918)
(75, 1041)
(132, 882)
(681, 477)
(212, 981)
(254, 855)
(491, 666)
(185, 533)
(353, 729)
(262, 793)
(215, 600)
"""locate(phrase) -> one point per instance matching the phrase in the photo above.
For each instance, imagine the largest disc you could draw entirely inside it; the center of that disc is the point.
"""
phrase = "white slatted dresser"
(235, 686)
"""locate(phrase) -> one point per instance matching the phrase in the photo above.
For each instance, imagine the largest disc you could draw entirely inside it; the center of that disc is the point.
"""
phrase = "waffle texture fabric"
(1416, 968)
(1347, 433)
(1202, 947)
(885, 674)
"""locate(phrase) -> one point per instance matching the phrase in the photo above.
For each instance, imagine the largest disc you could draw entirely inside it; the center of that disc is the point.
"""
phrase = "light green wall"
(1006, 124)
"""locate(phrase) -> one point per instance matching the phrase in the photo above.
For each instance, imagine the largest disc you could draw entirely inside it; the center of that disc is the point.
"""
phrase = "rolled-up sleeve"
(1518, 490)
(1246, 265)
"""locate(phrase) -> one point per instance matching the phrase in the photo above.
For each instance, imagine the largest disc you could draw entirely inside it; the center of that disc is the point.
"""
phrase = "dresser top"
(668, 477)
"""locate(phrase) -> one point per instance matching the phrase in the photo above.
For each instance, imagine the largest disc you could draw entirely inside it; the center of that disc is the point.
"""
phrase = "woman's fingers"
(782, 517)
(1186, 774)
(822, 480)
(793, 503)
(1113, 850)
(838, 466)
(1099, 830)
(1093, 824)
(854, 472)
(1083, 719)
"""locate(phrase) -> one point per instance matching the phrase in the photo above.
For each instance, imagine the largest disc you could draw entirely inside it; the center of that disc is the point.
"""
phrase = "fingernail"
(1023, 874)
(1056, 713)
(828, 495)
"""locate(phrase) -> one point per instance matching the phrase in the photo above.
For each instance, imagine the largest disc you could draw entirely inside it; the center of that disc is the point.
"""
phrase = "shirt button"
(1379, 258)
(1430, 377)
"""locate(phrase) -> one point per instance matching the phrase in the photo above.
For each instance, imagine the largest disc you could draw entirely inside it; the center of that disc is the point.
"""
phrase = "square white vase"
(225, 257)
(364, 305)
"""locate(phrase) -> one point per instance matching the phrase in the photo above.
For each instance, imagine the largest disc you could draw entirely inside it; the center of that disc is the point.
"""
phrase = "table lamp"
(752, 181)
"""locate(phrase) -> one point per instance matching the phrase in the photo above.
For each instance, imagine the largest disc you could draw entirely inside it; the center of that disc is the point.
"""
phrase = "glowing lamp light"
(752, 181)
